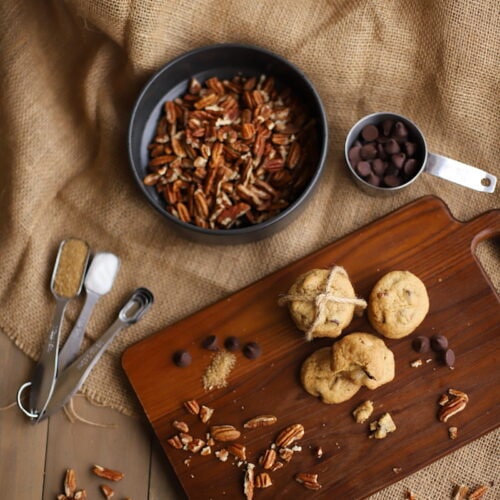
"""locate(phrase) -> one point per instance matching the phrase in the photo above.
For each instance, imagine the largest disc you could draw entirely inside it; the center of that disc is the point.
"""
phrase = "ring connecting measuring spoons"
(71, 379)
(98, 282)
(65, 284)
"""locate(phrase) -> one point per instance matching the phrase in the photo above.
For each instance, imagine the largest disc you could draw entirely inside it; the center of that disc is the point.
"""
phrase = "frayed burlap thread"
(320, 300)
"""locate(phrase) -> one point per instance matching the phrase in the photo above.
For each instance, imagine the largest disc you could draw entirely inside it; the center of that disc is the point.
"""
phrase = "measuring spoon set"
(59, 373)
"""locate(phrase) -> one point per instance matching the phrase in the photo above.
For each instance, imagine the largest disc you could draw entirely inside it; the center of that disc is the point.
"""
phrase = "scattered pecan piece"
(260, 421)
(175, 442)
(310, 481)
(453, 432)
(267, 460)
(238, 450)
(248, 481)
(222, 454)
(224, 432)
(107, 491)
(80, 495)
(289, 435)
(104, 472)
(69, 483)
(263, 480)
(192, 406)
(195, 445)
(286, 454)
(180, 426)
(460, 492)
(478, 493)
(455, 404)
(206, 413)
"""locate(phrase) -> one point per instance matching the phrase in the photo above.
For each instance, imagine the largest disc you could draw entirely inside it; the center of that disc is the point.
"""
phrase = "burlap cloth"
(70, 72)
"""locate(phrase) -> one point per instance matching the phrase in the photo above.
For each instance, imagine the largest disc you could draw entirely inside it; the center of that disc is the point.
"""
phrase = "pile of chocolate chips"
(439, 344)
(384, 155)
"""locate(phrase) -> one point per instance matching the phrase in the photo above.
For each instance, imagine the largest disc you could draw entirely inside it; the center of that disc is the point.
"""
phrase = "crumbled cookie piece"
(383, 426)
(363, 412)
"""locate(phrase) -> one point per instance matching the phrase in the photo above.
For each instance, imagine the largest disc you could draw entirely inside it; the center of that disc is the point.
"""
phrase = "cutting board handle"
(484, 226)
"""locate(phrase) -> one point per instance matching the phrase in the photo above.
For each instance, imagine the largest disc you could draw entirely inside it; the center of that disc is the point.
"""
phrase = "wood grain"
(421, 237)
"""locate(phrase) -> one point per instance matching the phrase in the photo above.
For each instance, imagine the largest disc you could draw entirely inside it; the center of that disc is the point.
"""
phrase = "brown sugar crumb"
(217, 373)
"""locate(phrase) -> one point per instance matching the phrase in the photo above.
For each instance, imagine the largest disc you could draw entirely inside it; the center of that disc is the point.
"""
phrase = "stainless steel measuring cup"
(437, 165)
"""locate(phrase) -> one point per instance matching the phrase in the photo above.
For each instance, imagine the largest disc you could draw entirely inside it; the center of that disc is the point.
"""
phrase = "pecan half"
(69, 482)
(180, 426)
(289, 435)
(260, 421)
(310, 481)
(104, 472)
(238, 450)
(192, 406)
(267, 460)
(175, 442)
(224, 432)
(263, 480)
(455, 404)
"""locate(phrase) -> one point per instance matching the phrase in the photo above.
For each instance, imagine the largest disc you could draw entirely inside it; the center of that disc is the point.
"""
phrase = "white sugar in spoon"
(98, 282)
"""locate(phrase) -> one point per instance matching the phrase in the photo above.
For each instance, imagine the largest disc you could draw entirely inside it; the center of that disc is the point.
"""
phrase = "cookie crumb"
(217, 373)
(381, 427)
(363, 412)
(397, 470)
(416, 363)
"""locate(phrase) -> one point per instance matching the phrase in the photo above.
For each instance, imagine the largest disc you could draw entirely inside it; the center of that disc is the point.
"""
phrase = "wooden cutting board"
(421, 237)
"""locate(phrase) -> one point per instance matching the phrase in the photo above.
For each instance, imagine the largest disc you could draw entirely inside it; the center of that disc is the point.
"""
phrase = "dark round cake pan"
(223, 61)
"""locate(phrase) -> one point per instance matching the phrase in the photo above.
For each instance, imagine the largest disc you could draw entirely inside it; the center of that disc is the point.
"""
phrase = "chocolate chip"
(381, 152)
(398, 160)
(252, 350)
(379, 166)
(368, 151)
(369, 133)
(232, 344)
(363, 168)
(354, 155)
(410, 167)
(387, 127)
(410, 148)
(210, 343)
(392, 147)
(449, 358)
(421, 344)
(182, 358)
(400, 130)
(392, 180)
(439, 343)
(373, 179)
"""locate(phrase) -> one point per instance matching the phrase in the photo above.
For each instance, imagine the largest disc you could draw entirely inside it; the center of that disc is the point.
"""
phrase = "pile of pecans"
(231, 153)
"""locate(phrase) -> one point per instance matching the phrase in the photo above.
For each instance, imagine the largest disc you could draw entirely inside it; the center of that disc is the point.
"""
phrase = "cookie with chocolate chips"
(398, 304)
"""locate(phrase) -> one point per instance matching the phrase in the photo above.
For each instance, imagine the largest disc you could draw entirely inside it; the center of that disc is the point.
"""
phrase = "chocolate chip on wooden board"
(252, 350)
(384, 155)
(182, 358)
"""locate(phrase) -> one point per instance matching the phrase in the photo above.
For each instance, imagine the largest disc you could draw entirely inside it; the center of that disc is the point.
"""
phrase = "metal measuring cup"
(437, 165)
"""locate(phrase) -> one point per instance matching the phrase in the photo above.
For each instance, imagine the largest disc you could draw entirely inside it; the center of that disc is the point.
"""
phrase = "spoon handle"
(71, 347)
(44, 376)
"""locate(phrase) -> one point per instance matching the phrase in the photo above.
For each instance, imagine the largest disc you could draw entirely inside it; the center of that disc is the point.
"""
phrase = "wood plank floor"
(34, 458)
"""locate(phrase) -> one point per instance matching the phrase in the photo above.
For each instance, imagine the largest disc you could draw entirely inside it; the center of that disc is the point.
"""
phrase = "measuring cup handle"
(460, 173)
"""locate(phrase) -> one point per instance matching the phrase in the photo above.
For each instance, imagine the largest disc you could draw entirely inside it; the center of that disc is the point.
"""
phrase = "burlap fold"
(70, 72)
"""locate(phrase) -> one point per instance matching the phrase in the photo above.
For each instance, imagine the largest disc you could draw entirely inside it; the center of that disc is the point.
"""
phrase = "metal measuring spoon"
(98, 282)
(65, 284)
(71, 379)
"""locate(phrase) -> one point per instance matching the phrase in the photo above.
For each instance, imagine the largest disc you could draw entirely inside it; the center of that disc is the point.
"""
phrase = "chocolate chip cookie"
(398, 304)
(318, 379)
(364, 359)
(322, 302)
